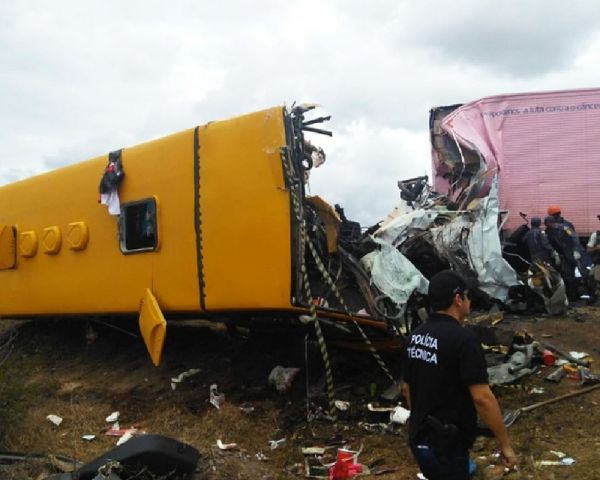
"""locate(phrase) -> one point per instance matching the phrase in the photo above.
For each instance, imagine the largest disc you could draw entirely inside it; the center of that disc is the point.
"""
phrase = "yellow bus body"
(209, 225)
(222, 217)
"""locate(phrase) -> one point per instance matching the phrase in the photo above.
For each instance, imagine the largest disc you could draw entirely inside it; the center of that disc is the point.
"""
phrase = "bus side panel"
(99, 278)
(245, 213)
(165, 169)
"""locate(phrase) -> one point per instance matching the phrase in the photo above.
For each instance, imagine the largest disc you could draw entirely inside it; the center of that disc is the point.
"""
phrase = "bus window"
(137, 225)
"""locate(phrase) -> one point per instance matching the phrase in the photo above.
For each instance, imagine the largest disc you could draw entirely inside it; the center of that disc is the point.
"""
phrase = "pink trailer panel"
(546, 146)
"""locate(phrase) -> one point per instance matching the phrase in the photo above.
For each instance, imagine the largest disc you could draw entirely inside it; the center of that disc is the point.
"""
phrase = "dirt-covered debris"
(54, 369)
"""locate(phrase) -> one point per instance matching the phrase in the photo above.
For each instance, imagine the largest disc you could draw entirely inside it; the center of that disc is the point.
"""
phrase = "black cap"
(444, 286)
(536, 221)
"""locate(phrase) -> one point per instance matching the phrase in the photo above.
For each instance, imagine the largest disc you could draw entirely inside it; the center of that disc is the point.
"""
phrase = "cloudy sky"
(81, 78)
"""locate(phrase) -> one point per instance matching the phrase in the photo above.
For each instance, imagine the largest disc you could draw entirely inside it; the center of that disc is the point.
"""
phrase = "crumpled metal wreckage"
(433, 234)
(383, 272)
(519, 365)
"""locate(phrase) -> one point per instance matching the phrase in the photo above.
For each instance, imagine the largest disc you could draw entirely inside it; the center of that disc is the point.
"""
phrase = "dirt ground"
(82, 375)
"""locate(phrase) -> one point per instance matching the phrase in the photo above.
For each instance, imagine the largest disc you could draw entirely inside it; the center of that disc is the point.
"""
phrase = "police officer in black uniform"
(446, 386)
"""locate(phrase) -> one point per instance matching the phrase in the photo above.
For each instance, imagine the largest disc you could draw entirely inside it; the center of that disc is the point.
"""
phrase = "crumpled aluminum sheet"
(475, 237)
(396, 230)
(393, 273)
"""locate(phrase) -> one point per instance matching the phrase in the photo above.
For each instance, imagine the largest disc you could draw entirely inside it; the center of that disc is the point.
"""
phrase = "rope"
(313, 310)
(336, 292)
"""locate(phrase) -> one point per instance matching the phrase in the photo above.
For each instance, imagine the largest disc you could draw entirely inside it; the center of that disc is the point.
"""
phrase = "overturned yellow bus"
(212, 221)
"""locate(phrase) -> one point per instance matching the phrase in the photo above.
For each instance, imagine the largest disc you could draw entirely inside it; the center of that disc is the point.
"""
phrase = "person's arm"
(591, 245)
(489, 411)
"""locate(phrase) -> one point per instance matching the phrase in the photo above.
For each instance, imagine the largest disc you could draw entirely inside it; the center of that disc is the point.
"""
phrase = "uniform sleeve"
(546, 244)
(472, 365)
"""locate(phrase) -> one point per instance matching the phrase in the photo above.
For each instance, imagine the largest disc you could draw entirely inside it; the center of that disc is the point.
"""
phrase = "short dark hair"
(444, 286)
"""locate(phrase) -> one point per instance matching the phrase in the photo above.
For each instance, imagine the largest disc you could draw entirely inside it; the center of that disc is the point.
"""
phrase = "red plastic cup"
(548, 357)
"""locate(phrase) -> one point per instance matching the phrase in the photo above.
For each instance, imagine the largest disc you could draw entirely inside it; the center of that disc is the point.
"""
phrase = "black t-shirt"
(442, 360)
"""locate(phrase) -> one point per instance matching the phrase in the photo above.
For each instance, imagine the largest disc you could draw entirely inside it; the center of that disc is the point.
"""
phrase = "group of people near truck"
(559, 245)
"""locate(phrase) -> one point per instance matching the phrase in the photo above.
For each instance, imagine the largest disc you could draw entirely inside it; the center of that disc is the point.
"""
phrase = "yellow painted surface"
(78, 235)
(28, 243)
(152, 326)
(7, 247)
(245, 213)
(68, 258)
(99, 278)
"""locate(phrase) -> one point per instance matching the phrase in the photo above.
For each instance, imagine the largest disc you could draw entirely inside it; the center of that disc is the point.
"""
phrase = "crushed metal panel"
(396, 229)
(152, 326)
(493, 271)
(393, 273)
(471, 240)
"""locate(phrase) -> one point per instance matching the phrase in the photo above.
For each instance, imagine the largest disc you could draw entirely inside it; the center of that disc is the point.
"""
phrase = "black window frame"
(124, 220)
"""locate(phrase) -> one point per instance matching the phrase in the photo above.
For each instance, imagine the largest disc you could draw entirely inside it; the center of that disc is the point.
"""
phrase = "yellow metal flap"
(152, 326)
(330, 218)
(7, 247)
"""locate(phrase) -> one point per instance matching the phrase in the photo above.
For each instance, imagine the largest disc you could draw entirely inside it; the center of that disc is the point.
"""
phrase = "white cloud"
(79, 79)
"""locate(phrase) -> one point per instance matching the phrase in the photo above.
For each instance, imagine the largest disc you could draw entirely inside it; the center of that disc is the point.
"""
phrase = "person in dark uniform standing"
(561, 237)
(579, 253)
(446, 386)
(538, 244)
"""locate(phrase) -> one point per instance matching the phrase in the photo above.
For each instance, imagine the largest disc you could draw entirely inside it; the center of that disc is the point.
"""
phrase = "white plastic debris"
(400, 415)
(247, 409)
(225, 446)
(341, 405)
(565, 461)
(373, 407)
(275, 443)
(126, 436)
(55, 419)
(88, 438)
(313, 451)
(281, 377)
(537, 390)
(113, 417)
(261, 457)
(579, 355)
(558, 454)
(182, 376)
(216, 398)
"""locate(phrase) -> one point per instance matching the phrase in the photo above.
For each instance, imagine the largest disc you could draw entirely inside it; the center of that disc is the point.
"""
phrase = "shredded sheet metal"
(405, 224)
(393, 273)
(494, 273)
(472, 240)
